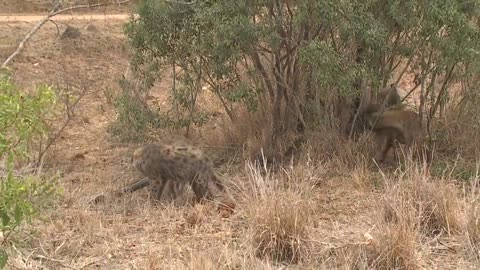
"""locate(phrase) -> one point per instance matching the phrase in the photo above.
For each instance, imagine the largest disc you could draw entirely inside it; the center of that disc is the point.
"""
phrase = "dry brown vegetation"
(36, 6)
(322, 212)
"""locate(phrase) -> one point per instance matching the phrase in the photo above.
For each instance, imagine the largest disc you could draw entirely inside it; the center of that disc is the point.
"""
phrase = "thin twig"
(56, 25)
(62, 263)
(54, 138)
(51, 14)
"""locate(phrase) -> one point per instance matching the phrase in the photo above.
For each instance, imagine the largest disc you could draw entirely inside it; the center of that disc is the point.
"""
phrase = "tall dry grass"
(283, 219)
(278, 212)
(472, 205)
(414, 209)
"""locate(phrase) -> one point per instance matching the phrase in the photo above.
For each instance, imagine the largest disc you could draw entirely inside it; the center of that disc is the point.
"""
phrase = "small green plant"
(134, 117)
(22, 123)
(136, 121)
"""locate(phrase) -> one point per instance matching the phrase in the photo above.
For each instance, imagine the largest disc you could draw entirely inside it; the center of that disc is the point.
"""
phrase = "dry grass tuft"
(280, 230)
(413, 206)
(395, 245)
(473, 227)
(395, 248)
(278, 217)
(434, 202)
(473, 218)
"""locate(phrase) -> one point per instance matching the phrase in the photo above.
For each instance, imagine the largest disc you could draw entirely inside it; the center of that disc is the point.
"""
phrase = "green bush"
(22, 122)
(302, 62)
(134, 117)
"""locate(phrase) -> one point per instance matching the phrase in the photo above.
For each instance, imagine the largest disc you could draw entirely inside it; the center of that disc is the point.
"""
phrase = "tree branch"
(258, 65)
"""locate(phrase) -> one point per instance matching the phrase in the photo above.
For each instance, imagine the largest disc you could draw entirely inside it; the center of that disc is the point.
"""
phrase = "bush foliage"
(22, 121)
(301, 62)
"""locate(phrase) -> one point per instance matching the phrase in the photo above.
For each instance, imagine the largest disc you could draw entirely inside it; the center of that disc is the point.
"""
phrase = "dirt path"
(62, 17)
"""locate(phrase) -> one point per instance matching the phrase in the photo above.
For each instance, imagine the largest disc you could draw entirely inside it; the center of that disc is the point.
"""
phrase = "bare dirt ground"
(132, 233)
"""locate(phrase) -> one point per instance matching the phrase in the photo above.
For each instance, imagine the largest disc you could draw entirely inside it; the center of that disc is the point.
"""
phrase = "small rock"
(92, 28)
